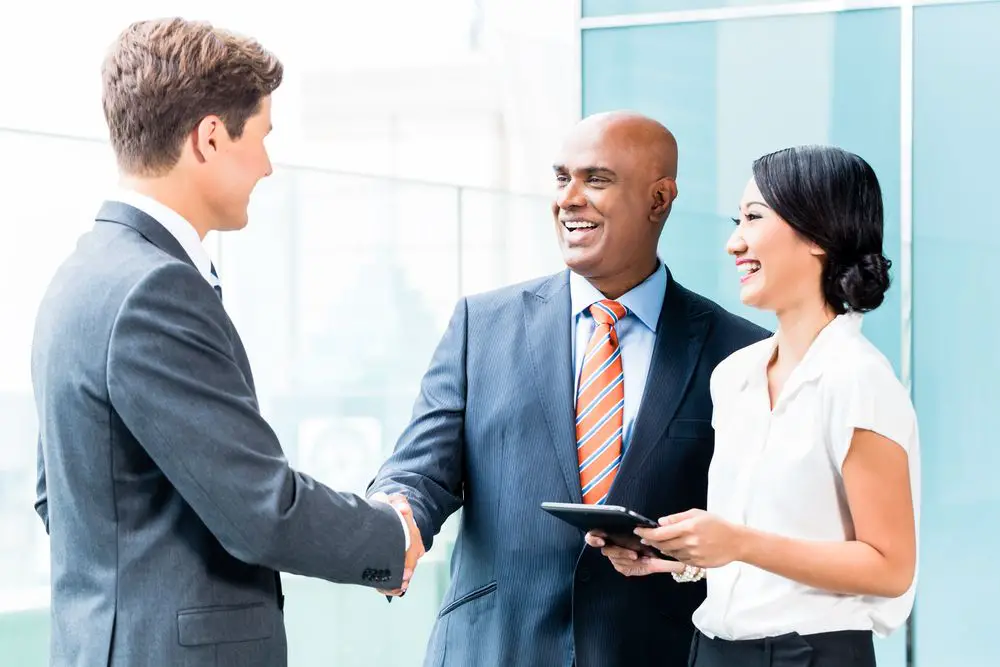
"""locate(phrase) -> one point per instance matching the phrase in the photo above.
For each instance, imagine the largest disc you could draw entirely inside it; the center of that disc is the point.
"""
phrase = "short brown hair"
(162, 77)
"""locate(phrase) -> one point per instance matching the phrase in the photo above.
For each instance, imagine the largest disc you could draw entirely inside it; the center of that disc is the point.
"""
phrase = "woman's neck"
(798, 327)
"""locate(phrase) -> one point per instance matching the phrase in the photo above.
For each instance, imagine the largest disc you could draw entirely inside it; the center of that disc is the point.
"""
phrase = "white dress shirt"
(779, 471)
(173, 222)
(636, 334)
(188, 238)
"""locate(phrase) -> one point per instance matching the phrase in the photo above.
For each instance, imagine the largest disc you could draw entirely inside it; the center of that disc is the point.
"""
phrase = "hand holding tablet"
(616, 523)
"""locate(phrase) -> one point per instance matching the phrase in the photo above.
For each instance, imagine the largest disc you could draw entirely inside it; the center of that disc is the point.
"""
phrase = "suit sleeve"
(427, 464)
(174, 381)
(41, 489)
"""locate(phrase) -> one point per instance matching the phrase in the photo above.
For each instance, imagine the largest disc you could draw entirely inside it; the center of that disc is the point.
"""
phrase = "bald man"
(588, 386)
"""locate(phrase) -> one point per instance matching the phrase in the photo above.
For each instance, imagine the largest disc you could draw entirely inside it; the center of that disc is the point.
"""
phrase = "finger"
(593, 540)
(670, 547)
(663, 533)
(400, 502)
(397, 593)
(620, 554)
(677, 518)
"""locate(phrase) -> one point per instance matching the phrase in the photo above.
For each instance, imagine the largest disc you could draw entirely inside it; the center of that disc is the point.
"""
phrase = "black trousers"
(848, 648)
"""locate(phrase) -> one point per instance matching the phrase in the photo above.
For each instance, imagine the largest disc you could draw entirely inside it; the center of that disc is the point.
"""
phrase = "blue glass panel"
(956, 324)
(616, 7)
(730, 92)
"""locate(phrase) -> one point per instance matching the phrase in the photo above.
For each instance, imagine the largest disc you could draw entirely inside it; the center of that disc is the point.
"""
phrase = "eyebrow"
(758, 203)
(589, 171)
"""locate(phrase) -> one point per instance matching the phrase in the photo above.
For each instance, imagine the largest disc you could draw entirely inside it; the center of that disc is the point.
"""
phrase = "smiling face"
(229, 169)
(611, 201)
(778, 268)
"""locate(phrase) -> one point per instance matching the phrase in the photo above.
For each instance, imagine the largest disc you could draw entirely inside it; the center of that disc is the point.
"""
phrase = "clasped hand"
(416, 550)
(694, 538)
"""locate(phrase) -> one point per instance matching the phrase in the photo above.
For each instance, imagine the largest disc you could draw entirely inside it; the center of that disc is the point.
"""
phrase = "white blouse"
(780, 471)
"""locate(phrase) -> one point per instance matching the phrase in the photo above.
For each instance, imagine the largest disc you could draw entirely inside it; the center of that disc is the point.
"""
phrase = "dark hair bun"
(860, 286)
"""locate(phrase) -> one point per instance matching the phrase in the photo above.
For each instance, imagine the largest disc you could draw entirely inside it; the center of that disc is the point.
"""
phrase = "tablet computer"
(617, 522)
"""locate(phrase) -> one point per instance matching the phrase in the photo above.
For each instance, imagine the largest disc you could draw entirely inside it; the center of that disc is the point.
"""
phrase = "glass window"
(506, 239)
(617, 7)
(728, 104)
(956, 319)
(42, 219)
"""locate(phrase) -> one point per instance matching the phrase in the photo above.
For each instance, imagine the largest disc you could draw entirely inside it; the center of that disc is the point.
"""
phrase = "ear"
(664, 194)
(816, 251)
(207, 137)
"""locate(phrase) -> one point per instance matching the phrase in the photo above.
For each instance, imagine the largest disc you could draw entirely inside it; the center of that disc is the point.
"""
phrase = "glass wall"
(956, 323)
(394, 254)
(613, 8)
(728, 104)
(745, 77)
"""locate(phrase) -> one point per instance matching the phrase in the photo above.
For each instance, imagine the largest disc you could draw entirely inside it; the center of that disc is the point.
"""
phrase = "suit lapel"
(147, 227)
(681, 332)
(547, 322)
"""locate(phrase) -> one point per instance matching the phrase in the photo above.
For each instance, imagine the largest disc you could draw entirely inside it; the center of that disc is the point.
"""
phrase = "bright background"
(413, 144)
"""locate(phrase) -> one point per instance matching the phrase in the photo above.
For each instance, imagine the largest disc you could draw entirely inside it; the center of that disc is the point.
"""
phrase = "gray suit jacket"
(493, 433)
(168, 500)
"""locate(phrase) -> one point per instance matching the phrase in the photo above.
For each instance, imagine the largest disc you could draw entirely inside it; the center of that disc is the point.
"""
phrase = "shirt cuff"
(406, 527)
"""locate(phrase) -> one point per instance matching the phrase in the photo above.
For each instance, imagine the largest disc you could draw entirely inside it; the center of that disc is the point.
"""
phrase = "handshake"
(414, 539)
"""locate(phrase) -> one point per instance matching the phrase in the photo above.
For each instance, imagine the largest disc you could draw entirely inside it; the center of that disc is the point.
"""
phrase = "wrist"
(746, 543)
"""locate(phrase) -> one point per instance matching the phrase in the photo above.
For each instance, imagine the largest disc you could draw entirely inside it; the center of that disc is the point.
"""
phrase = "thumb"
(662, 565)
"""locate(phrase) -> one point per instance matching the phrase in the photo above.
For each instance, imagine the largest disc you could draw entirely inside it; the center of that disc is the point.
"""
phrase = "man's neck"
(170, 191)
(613, 287)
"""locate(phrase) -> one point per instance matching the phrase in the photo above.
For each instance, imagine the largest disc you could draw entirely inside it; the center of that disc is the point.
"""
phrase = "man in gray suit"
(169, 502)
(509, 416)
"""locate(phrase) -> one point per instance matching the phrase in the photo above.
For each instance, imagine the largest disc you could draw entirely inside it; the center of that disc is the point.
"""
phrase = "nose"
(736, 245)
(571, 196)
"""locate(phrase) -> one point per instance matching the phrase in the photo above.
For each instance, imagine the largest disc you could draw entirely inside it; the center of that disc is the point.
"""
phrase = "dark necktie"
(217, 286)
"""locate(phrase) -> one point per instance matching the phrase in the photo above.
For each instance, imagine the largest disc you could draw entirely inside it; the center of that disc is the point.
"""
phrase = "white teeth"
(573, 224)
(747, 268)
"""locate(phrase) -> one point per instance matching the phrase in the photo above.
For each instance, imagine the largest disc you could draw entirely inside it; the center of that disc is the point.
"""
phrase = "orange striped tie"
(600, 404)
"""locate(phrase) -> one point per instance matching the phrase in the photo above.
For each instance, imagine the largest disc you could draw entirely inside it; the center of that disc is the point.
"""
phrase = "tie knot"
(608, 312)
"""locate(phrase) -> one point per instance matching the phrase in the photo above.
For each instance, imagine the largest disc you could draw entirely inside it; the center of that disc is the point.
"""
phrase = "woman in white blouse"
(809, 541)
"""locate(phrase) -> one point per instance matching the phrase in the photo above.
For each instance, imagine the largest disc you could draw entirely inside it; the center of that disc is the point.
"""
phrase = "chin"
(235, 223)
(583, 261)
(750, 296)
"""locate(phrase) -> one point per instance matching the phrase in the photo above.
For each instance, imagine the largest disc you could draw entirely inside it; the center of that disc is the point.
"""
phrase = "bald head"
(640, 139)
(615, 178)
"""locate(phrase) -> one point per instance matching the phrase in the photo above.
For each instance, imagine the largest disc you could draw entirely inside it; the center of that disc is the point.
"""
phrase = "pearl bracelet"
(690, 574)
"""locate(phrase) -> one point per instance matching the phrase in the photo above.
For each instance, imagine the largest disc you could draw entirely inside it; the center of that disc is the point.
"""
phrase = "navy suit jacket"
(493, 433)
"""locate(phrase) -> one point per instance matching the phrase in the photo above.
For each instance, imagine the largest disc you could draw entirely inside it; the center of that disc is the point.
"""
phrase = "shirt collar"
(823, 350)
(645, 300)
(173, 222)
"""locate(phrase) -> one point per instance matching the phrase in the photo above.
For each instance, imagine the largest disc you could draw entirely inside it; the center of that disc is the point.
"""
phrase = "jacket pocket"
(695, 429)
(468, 597)
(224, 623)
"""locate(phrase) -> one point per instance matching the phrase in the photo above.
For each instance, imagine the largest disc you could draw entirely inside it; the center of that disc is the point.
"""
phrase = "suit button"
(583, 574)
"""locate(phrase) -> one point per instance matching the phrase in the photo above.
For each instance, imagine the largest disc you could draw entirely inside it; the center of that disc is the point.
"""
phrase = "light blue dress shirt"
(636, 334)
